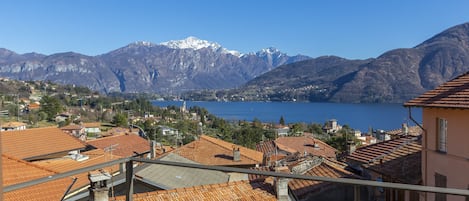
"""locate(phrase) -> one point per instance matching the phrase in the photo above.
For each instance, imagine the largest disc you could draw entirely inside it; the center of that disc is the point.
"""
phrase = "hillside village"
(93, 143)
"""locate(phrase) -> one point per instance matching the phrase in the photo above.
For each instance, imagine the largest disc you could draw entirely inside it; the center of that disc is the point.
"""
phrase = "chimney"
(236, 154)
(351, 147)
(405, 129)
(99, 191)
(152, 149)
(281, 184)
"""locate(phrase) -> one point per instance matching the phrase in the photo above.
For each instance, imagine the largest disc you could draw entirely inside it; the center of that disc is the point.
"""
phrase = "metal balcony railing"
(130, 175)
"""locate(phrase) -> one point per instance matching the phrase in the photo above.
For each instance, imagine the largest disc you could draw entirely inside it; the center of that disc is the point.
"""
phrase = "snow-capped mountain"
(194, 43)
(275, 57)
(142, 66)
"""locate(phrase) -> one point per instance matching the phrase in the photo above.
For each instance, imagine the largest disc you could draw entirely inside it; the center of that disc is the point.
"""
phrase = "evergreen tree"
(281, 121)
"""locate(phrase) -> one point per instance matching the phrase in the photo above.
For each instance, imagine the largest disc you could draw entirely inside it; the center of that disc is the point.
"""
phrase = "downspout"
(425, 145)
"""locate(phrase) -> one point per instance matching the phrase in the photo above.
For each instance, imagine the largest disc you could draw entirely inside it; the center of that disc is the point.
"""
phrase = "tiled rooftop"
(239, 190)
(398, 159)
(92, 125)
(326, 169)
(18, 171)
(124, 145)
(72, 127)
(266, 147)
(64, 164)
(13, 124)
(451, 94)
(305, 144)
(38, 142)
(211, 151)
(412, 130)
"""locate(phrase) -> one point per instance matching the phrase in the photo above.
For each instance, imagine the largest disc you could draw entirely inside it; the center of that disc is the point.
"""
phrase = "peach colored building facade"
(452, 164)
(445, 153)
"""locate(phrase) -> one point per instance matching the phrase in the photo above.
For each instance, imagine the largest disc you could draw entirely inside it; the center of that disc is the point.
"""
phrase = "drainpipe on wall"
(424, 150)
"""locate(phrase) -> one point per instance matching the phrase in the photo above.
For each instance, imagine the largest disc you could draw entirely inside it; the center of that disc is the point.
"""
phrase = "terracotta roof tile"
(211, 151)
(92, 125)
(302, 144)
(123, 145)
(72, 127)
(398, 159)
(326, 169)
(451, 94)
(13, 124)
(64, 164)
(412, 130)
(240, 190)
(30, 143)
(18, 171)
(266, 147)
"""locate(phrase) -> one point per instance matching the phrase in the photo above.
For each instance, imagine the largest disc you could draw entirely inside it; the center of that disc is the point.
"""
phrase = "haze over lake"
(358, 116)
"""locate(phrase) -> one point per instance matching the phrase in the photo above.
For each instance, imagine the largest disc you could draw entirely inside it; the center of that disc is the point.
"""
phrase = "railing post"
(356, 193)
(129, 180)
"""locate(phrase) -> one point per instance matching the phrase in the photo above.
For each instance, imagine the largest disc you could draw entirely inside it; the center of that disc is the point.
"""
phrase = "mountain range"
(169, 67)
(190, 64)
(395, 76)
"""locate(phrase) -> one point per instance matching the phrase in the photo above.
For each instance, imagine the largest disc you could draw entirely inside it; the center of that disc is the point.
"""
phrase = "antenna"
(110, 148)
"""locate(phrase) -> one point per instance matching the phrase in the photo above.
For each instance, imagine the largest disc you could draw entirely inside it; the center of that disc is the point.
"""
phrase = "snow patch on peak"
(270, 50)
(191, 42)
(144, 43)
(195, 43)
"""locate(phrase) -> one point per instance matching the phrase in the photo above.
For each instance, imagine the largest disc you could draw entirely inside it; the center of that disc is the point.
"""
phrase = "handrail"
(62, 175)
(431, 189)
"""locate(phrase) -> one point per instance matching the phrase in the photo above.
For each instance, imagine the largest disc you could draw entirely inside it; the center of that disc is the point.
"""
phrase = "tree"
(51, 106)
(120, 119)
(281, 121)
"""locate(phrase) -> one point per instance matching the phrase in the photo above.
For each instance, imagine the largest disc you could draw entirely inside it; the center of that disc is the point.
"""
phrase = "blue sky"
(351, 29)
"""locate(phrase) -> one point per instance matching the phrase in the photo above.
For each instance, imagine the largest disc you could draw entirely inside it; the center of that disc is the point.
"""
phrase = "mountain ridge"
(192, 64)
(142, 66)
(395, 76)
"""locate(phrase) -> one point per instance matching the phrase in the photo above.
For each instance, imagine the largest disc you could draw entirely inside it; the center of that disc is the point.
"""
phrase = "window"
(440, 181)
(441, 135)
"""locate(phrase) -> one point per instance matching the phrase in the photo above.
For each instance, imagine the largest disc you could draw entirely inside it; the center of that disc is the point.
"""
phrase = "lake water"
(357, 116)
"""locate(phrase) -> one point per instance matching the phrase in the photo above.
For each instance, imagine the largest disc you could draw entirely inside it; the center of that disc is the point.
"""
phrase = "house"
(331, 126)
(212, 151)
(405, 130)
(317, 190)
(92, 129)
(10, 126)
(367, 140)
(39, 143)
(124, 145)
(77, 160)
(33, 106)
(396, 160)
(168, 131)
(282, 131)
(314, 190)
(75, 130)
(63, 117)
(445, 116)
(381, 135)
(239, 190)
(17, 171)
(292, 148)
(172, 177)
